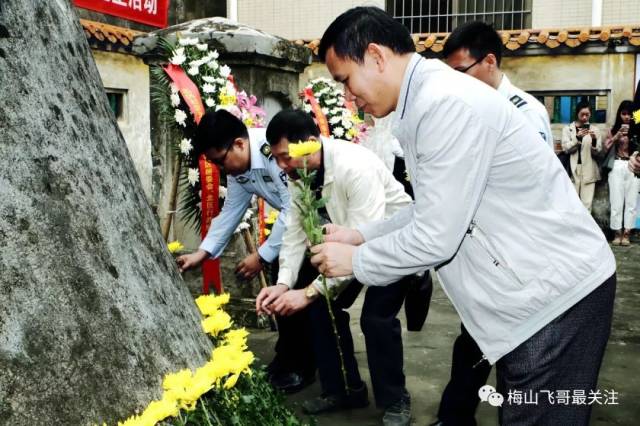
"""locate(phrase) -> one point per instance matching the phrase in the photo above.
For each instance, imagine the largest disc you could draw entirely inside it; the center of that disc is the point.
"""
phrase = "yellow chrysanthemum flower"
(209, 304)
(271, 219)
(636, 116)
(216, 322)
(231, 381)
(248, 122)
(226, 99)
(300, 149)
(175, 246)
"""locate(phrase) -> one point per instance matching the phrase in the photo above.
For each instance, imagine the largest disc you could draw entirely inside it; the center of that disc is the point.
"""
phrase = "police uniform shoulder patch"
(242, 179)
(267, 178)
(283, 178)
(517, 101)
(265, 149)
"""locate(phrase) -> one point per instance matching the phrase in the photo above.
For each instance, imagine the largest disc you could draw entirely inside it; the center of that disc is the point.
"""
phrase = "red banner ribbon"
(210, 185)
(187, 89)
(321, 119)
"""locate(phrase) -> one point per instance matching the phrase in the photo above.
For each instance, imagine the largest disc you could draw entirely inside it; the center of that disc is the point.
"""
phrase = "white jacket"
(535, 112)
(359, 189)
(494, 210)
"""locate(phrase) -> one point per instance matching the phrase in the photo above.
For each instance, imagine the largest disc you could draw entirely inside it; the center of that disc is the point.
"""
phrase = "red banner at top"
(150, 12)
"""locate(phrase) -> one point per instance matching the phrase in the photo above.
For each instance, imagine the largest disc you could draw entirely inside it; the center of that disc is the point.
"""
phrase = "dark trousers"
(565, 355)
(460, 397)
(294, 348)
(383, 339)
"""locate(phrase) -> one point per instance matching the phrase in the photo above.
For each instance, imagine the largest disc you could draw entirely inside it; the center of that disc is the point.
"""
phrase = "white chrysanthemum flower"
(325, 111)
(346, 123)
(241, 227)
(340, 101)
(202, 47)
(222, 191)
(336, 111)
(215, 54)
(178, 56)
(213, 65)
(193, 176)
(175, 99)
(193, 71)
(338, 132)
(335, 120)
(208, 88)
(181, 117)
(174, 88)
(331, 101)
(221, 81)
(209, 79)
(230, 89)
(225, 71)
(307, 108)
(247, 215)
(210, 102)
(188, 41)
(185, 146)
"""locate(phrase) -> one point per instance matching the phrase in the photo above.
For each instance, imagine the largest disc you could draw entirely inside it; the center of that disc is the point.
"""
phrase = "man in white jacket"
(358, 189)
(524, 264)
(475, 48)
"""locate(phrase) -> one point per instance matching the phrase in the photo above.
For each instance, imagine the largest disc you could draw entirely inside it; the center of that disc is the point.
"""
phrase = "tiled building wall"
(617, 12)
(295, 19)
(561, 13)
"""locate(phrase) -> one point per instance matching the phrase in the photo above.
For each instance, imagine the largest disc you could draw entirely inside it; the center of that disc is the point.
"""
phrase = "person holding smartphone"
(582, 141)
(623, 185)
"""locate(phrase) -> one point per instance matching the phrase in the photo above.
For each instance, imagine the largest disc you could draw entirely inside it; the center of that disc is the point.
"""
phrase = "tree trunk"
(93, 311)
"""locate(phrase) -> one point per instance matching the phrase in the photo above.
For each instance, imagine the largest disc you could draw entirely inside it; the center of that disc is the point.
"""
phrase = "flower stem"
(336, 334)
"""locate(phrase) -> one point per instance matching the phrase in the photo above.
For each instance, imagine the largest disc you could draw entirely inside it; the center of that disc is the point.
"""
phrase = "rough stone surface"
(92, 309)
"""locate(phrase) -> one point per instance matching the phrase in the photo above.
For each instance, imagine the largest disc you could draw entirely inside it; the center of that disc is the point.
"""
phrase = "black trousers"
(294, 348)
(565, 355)
(383, 339)
(460, 397)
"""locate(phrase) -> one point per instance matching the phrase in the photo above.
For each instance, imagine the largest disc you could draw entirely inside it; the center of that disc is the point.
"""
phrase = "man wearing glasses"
(246, 158)
(475, 48)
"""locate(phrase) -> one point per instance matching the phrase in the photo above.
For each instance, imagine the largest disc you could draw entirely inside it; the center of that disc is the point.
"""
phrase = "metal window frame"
(454, 17)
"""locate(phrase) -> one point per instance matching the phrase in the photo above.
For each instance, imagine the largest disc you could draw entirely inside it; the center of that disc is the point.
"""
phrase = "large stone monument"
(92, 309)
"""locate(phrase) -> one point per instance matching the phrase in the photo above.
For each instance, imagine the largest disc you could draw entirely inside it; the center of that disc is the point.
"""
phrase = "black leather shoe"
(357, 398)
(290, 382)
(399, 413)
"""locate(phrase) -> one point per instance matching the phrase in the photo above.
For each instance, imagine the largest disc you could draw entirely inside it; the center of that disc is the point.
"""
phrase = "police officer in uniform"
(246, 157)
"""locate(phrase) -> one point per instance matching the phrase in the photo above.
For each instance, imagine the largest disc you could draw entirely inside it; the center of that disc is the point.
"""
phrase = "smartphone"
(624, 128)
(586, 126)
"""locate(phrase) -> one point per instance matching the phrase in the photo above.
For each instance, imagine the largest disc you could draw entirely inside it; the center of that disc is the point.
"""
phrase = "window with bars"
(561, 106)
(440, 16)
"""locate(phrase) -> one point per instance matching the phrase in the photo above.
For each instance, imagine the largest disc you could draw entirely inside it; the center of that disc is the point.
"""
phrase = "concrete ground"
(428, 358)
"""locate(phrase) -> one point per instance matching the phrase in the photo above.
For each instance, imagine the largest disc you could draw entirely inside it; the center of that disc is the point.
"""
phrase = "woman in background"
(623, 185)
(583, 142)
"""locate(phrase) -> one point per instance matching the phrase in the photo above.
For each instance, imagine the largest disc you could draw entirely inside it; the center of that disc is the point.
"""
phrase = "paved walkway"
(428, 358)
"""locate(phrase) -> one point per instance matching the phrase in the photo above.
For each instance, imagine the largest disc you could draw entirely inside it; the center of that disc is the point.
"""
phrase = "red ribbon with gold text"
(321, 119)
(209, 175)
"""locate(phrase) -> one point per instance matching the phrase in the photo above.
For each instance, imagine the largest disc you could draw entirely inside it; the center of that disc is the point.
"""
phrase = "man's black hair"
(480, 38)
(218, 130)
(293, 124)
(350, 34)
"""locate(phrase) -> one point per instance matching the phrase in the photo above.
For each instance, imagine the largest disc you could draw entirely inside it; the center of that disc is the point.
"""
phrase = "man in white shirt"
(524, 264)
(475, 48)
(358, 189)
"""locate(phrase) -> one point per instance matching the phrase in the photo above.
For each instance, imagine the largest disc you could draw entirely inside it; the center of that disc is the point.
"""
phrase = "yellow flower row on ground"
(183, 389)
